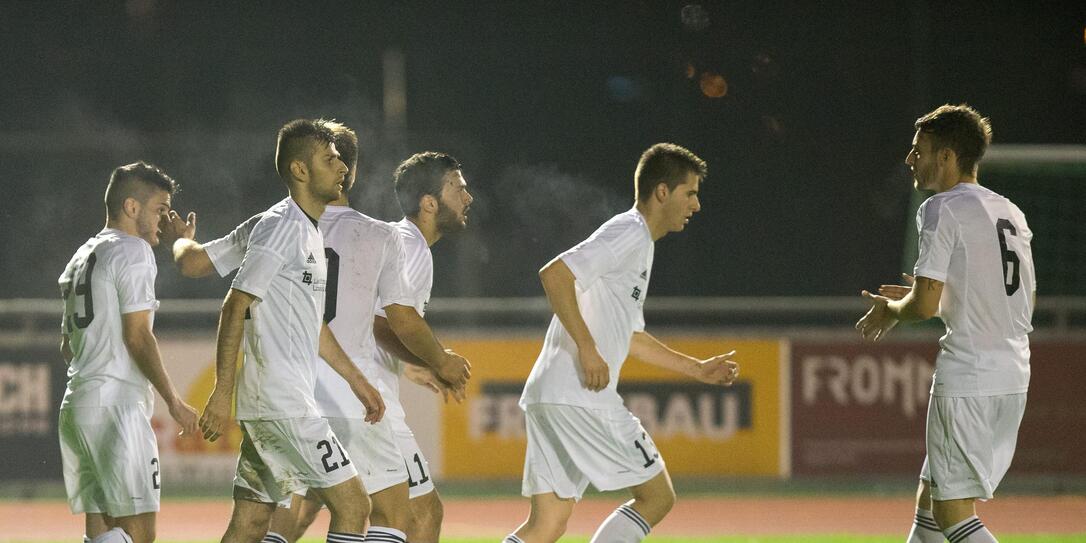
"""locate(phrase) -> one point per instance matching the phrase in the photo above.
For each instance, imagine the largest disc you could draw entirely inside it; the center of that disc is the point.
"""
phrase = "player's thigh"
(659, 489)
(549, 509)
(111, 461)
(343, 496)
(419, 481)
(292, 455)
(966, 448)
(374, 451)
(609, 447)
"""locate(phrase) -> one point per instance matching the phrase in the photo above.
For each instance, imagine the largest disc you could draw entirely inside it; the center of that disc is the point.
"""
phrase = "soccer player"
(434, 197)
(108, 449)
(277, 303)
(975, 271)
(365, 261)
(578, 429)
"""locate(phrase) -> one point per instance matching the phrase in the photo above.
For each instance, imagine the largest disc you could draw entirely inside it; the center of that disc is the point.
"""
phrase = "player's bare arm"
(919, 304)
(417, 337)
(560, 285)
(141, 343)
(216, 415)
(716, 370)
(332, 354)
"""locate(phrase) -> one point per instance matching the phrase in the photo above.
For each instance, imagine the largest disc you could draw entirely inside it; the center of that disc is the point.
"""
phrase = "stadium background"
(803, 111)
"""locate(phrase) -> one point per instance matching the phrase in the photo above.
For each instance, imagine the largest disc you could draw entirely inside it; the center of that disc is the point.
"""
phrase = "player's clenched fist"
(455, 369)
(370, 398)
(216, 414)
(718, 370)
(596, 372)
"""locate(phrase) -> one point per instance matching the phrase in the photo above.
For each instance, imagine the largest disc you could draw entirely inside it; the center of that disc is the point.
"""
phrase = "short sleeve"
(227, 252)
(134, 280)
(603, 251)
(392, 285)
(265, 255)
(938, 233)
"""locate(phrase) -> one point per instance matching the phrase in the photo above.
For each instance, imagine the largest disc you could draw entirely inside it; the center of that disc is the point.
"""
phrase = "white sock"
(925, 530)
(512, 538)
(625, 525)
(272, 537)
(970, 530)
(116, 535)
(384, 534)
(344, 537)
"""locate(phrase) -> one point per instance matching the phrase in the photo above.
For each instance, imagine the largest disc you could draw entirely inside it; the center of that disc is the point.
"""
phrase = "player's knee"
(358, 509)
(435, 513)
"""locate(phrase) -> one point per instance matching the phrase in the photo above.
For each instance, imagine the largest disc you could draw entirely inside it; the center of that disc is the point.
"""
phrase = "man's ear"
(428, 203)
(131, 207)
(661, 192)
(299, 170)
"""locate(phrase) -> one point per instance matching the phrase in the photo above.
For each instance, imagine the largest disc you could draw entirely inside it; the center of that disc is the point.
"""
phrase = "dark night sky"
(547, 104)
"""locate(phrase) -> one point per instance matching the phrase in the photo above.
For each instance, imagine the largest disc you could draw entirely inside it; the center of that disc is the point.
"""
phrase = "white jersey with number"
(612, 269)
(419, 273)
(365, 260)
(978, 244)
(284, 268)
(370, 265)
(113, 273)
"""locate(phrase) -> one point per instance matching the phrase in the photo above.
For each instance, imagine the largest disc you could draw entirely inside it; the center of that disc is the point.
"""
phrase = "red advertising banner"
(860, 408)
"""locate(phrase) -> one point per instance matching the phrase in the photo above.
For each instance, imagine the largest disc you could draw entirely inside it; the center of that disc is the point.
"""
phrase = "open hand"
(172, 227)
(897, 292)
(879, 320)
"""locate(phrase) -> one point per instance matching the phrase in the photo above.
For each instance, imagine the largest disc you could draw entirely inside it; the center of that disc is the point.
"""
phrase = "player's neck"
(964, 179)
(310, 205)
(128, 227)
(654, 219)
(426, 224)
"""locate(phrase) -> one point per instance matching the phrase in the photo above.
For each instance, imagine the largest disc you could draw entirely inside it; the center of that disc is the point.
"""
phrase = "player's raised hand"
(370, 398)
(595, 372)
(172, 227)
(455, 369)
(879, 320)
(216, 415)
(718, 370)
(897, 292)
(185, 416)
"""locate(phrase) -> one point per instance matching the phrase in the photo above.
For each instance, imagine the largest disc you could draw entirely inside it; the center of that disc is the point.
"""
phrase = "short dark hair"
(346, 141)
(665, 163)
(298, 140)
(420, 175)
(959, 128)
(137, 180)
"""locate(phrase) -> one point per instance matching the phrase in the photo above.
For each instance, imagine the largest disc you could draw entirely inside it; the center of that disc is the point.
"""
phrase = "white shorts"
(570, 446)
(280, 457)
(110, 459)
(373, 448)
(970, 444)
(419, 481)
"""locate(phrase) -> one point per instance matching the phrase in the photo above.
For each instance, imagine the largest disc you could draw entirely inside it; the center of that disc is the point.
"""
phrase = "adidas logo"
(645, 274)
(311, 260)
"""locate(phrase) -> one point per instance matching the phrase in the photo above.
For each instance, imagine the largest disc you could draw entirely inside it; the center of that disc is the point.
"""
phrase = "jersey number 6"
(1011, 264)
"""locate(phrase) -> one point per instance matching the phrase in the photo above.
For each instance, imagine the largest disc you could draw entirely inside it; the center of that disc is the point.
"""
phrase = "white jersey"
(419, 273)
(284, 268)
(365, 260)
(978, 244)
(113, 273)
(612, 269)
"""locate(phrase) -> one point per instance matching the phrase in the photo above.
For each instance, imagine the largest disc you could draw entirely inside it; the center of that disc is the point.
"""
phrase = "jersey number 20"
(1011, 264)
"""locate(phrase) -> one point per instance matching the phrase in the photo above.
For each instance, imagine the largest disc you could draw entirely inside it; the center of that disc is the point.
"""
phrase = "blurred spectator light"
(694, 17)
(713, 85)
(624, 89)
